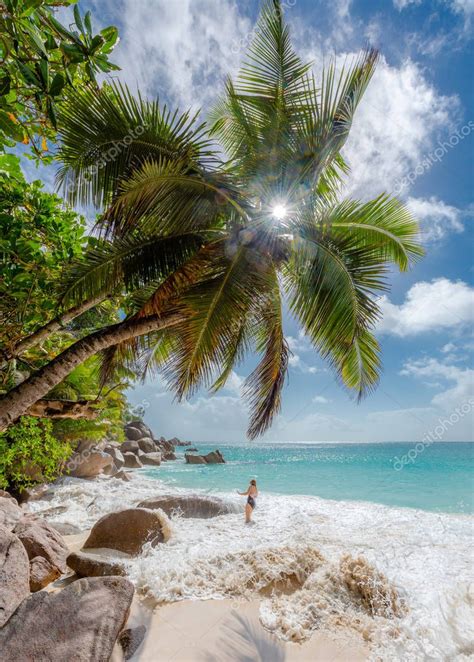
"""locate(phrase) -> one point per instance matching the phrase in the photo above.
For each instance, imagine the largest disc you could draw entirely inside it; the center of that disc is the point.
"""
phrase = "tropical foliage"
(41, 61)
(30, 454)
(38, 237)
(208, 249)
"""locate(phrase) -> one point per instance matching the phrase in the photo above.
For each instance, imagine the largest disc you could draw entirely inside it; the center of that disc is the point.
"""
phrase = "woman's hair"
(253, 482)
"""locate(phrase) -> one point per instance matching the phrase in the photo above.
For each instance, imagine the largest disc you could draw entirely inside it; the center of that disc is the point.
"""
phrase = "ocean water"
(320, 509)
(440, 478)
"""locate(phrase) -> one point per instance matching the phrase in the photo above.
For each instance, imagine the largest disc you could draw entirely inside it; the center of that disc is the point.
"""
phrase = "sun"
(279, 212)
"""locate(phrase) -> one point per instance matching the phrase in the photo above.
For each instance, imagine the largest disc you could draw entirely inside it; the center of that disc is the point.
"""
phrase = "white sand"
(211, 631)
(222, 631)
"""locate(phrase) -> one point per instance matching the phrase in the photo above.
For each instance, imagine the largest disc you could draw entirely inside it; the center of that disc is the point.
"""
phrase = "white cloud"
(234, 383)
(429, 306)
(296, 362)
(449, 347)
(299, 343)
(321, 400)
(461, 378)
(402, 4)
(181, 49)
(465, 7)
(437, 219)
(394, 128)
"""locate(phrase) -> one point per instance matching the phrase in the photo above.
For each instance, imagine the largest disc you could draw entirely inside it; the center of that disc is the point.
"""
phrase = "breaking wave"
(400, 578)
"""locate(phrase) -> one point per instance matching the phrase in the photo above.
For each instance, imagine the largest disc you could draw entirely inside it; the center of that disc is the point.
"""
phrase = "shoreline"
(209, 630)
(207, 559)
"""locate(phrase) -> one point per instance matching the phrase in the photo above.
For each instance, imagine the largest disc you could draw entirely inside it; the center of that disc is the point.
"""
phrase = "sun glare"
(279, 212)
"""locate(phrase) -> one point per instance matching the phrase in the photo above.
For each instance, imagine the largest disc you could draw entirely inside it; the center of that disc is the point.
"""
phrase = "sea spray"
(425, 556)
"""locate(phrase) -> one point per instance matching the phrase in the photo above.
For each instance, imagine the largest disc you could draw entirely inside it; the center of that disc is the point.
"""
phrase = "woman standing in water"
(251, 494)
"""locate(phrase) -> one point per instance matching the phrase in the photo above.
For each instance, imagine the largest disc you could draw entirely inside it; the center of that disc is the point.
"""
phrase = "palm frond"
(263, 387)
(384, 226)
(131, 263)
(331, 281)
(215, 308)
(164, 198)
(105, 134)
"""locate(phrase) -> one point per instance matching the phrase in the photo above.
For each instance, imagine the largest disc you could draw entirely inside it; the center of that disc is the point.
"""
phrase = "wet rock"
(168, 456)
(130, 640)
(10, 513)
(132, 461)
(123, 475)
(194, 459)
(14, 574)
(127, 530)
(35, 493)
(65, 529)
(6, 495)
(177, 442)
(88, 464)
(42, 573)
(192, 450)
(117, 456)
(147, 445)
(41, 539)
(130, 447)
(110, 470)
(153, 459)
(92, 565)
(164, 446)
(214, 457)
(80, 623)
(195, 506)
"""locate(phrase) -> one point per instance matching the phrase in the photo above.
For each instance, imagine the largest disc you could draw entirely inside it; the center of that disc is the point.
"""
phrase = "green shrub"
(30, 454)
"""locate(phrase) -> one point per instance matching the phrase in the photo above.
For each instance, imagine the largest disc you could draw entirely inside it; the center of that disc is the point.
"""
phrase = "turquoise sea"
(436, 478)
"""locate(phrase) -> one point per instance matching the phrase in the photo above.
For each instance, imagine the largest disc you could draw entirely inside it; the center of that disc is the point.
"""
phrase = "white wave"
(299, 541)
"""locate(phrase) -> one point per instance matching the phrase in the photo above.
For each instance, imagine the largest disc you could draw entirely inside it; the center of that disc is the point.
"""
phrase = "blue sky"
(412, 135)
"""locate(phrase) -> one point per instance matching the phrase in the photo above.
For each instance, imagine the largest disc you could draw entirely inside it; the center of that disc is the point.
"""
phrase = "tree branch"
(64, 409)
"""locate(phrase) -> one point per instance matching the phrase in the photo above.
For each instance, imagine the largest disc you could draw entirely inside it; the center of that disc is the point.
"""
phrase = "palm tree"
(212, 248)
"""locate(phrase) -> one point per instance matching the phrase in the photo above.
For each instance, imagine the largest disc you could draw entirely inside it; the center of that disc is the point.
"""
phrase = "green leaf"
(57, 84)
(96, 43)
(73, 52)
(10, 165)
(110, 35)
(28, 74)
(87, 23)
(9, 127)
(5, 85)
(78, 19)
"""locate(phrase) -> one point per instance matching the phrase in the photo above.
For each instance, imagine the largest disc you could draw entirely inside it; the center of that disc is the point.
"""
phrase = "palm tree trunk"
(22, 397)
(51, 327)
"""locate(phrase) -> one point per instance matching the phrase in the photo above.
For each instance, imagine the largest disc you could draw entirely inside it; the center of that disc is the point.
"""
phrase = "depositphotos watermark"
(428, 160)
(111, 154)
(436, 434)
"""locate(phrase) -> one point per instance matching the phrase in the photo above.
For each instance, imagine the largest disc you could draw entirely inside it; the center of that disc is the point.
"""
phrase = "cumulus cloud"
(462, 380)
(181, 50)
(296, 362)
(437, 219)
(429, 306)
(234, 383)
(394, 128)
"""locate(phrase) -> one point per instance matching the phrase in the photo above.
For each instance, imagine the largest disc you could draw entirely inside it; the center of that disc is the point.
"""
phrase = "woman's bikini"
(251, 501)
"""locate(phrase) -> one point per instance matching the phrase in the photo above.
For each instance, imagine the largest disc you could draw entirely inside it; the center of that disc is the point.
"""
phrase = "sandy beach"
(312, 579)
(219, 630)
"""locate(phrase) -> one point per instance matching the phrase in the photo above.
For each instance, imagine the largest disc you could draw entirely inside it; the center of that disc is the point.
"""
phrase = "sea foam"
(401, 577)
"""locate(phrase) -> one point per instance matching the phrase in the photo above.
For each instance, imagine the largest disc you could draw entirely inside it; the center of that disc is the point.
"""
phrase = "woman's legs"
(248, 513)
